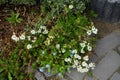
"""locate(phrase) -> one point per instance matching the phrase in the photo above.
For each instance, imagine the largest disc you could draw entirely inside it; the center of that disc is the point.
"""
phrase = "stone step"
(105, 44)
(116, 76)
(107, 66)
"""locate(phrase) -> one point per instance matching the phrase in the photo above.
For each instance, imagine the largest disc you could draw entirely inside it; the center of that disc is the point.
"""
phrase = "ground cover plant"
(55, 36)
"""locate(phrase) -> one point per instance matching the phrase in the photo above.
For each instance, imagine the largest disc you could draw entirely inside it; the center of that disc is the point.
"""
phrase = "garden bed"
(44, 37)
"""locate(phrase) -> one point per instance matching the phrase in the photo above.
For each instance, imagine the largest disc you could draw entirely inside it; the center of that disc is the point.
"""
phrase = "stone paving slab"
(90, 78)
(117, 49)
(116, 76)
(39, 76)
(75, 75)
(107, 66)
(105, 44)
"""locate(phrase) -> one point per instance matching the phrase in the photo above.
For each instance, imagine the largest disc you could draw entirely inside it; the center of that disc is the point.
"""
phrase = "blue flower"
(71, 55)
(41, 69)
(59, 74)
(47, 66)
(72, 52)
(68, 69)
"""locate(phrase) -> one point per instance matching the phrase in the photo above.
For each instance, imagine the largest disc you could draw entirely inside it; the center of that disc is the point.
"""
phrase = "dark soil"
(106, 28)
(7, 29)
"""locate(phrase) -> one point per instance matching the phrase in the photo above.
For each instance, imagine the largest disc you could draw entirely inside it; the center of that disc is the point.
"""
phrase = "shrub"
(3, 1)
(27, 2)
(57, 47)
(18, 2)
(63, 6)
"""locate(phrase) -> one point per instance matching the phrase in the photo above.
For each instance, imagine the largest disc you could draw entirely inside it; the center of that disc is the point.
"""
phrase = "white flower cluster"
(42, 30)
(84, 45)
(80, 63)
(49, 40)
(93, 30)
(21, 37)
(29, 46)
(70, 6)
(16, 38)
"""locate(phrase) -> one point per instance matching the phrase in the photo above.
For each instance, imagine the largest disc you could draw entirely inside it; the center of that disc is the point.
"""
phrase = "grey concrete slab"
(75, 75)
(107, 43)
(116, 76)
(107, 65)
(39, 76)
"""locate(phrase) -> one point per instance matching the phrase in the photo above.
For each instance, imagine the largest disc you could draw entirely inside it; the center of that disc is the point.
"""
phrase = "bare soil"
(106, 28)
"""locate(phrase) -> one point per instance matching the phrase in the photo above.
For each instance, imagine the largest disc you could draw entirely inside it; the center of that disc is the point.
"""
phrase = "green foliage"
(14, 18)
(56, 7)
(18, 2)
(13, 67)
(47, 45)
(3, 1)
(93, 14)
(90, 73)
(27, 2)
(9, 76)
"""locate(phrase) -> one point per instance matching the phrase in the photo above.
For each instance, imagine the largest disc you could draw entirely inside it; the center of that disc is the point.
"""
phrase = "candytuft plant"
(63, 38)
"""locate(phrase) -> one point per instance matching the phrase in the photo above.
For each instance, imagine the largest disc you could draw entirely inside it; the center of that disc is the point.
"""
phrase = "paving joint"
(117, 49)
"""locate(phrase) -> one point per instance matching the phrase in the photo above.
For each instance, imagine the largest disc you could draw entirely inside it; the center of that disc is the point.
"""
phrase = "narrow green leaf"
(9, 76)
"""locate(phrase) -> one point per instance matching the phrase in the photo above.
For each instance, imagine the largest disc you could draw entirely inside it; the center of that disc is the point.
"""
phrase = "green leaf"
(90, 73)
(9, 76)
(17, 15)
(2, 69)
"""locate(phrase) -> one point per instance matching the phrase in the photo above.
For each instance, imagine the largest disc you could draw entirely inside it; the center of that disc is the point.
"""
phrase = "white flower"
(22, 37)
(89, 48)
(15, 38)
(32, 31)
(58, 46)
(79, 68)
(42, 27)
(29, 46)
(92, 65)
(47, 42)
(84, 64)
(39, 31)
(73, 66)
(76, 62)
(77, 56)
(74, 51)
(45, 31)
(63, 50)
(82, 50)
(94, 30)
(33, 41)
(82, 45)
(51, 37)
(35, 38)
(29, 38)
(89, 32)
(85, 69)
(70, 6)
(86, 58)
(68, 60)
